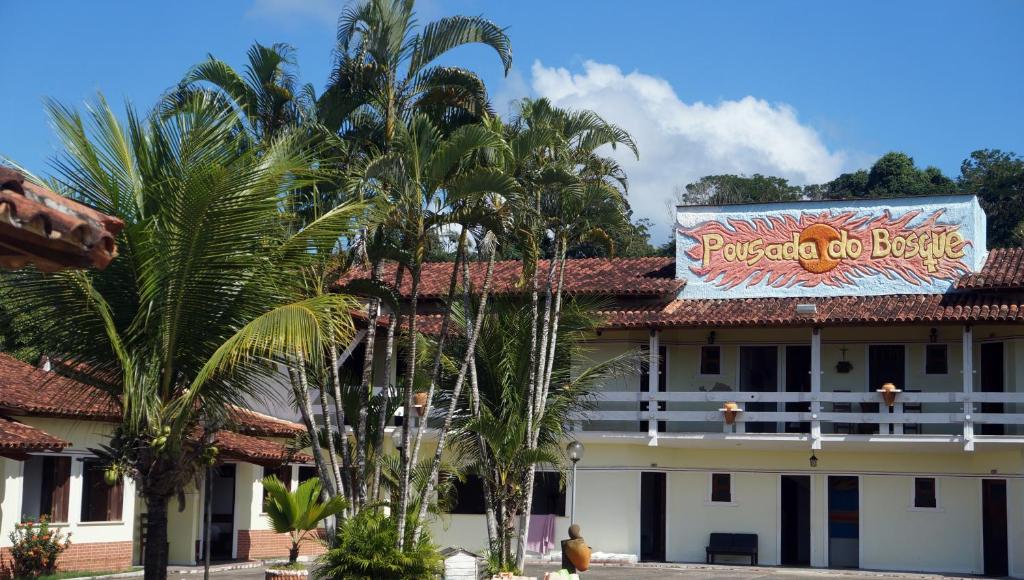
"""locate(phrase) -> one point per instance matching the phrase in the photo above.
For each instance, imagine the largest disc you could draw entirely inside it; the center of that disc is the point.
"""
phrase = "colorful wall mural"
(881, 246)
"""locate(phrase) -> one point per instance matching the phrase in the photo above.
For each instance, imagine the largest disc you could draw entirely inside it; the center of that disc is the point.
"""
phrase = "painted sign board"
(914, 245)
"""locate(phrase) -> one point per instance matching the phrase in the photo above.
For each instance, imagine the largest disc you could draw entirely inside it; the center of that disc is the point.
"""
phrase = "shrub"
(364, 549)
(35, 548)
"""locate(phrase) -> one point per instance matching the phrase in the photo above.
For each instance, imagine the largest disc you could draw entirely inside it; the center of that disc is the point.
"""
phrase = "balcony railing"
(827, 407)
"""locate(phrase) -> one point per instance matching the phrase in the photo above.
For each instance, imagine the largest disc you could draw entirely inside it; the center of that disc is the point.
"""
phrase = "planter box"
(272, 574)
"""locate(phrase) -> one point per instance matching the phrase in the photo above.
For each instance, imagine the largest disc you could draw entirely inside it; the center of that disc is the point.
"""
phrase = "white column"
(815, 387)
(968, 377)
(653, 380)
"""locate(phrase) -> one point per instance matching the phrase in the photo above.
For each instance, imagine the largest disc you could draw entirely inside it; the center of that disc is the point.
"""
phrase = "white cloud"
(322, 11)
(680, 142)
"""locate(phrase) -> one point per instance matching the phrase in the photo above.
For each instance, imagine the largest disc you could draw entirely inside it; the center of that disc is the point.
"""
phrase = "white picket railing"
(850, 403)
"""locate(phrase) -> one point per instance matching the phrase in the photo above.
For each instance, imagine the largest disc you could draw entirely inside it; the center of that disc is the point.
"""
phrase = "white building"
(799, 313)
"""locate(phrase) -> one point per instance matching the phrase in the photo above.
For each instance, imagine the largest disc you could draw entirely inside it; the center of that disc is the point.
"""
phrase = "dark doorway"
(645, 385)
(759, 372)
(798, 380)
(652, 516)
(843, 521)
(887, 363)
(222, 513)
(795, 523)
(992, 381)
(993, 527)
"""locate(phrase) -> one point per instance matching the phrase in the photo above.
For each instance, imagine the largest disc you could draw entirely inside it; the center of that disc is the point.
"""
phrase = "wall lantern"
(711, 337)
(813, 460)
(933, 335)
(844, 366)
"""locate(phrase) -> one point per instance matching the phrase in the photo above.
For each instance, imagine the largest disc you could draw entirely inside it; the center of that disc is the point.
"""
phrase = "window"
(469, 496)
(46, 483)
(925, 493)
(710, 360)
(306, 472)
(721, 488)
(936, 360)
(282, 473)
(101, 502)
(548, 494)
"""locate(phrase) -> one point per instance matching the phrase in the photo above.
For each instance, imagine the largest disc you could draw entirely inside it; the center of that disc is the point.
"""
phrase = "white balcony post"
(815, 388)
(653, 380)
(968, 372)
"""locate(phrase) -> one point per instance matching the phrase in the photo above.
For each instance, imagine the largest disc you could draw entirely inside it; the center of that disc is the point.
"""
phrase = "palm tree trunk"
(546, 383)
(403, 490)
(345, 477)
(474, 385)
(385, 403)
(300, 386)
(373, 311)
(436, 368)
(325, 408)
(543, 368)
(155, 558)
(456, 391)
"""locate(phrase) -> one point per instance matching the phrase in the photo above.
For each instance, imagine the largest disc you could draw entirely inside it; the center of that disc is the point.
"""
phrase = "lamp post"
(575, 452)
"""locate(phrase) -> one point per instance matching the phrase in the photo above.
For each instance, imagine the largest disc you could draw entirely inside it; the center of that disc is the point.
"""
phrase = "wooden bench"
(732, 545)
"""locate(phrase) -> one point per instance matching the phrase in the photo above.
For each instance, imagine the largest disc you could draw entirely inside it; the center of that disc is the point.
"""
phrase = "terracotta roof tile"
(20, 438)
(255, 450)
(1004, 268)
(651, 276)
(890, 309)
(253, 423)
(27, 390)
(38, 226)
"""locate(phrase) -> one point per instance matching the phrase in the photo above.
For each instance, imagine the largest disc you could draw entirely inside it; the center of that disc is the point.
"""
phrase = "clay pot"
(578, 552)
(419, 401)
(729, 412)
(889, 391)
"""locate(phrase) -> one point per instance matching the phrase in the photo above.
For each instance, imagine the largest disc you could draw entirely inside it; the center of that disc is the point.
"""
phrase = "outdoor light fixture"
(711, 337)
(933, 335)
(396, 438)
(806, 309)
(814, 460)
(575, 452)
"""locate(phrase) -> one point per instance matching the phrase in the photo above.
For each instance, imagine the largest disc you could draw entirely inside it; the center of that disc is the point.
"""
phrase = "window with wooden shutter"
(101, 502)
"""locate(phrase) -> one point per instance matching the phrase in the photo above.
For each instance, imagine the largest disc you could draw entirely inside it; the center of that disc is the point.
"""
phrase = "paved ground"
(692, 571)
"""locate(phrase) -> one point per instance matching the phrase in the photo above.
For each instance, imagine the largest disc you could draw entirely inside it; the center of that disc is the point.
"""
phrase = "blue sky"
(800, 89)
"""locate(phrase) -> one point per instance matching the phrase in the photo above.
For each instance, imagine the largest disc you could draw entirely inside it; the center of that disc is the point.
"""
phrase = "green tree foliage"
(893, 175)
(365, 549)
(997, 178)
(725, 189)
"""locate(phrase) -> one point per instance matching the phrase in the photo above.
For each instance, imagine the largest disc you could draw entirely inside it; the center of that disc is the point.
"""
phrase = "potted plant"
(296, 513)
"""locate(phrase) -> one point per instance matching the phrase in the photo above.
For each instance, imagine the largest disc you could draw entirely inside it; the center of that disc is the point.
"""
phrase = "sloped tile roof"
(651, 276)
(27, 390)
(38, 226)
(1004, 268)
(255, 450)
(18, 437)
(889, 309)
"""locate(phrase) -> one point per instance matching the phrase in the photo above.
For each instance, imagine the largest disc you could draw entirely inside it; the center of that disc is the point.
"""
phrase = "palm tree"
(385, 72)
(496, 439)
(265, 96)
(570, 193)
(204, 295)
(297, 513)
(385, 69)
(426, 175)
